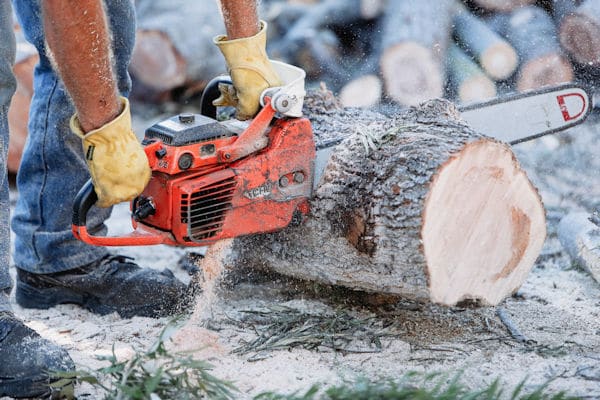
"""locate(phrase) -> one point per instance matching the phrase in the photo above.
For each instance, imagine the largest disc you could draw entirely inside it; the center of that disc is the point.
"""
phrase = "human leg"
(54, 267)
(26, 357)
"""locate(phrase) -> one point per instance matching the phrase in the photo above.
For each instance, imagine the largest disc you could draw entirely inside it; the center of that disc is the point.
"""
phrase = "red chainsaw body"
(196, 196)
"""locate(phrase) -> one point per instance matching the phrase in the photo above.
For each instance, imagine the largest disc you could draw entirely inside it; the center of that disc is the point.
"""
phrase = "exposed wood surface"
(532, 33)
(364, 91)
(580, 33)
(416, 34)
(436, 212)
(468, 81)
(496, 56)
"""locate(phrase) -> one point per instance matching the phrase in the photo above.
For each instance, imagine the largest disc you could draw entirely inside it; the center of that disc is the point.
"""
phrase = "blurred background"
(370, 53)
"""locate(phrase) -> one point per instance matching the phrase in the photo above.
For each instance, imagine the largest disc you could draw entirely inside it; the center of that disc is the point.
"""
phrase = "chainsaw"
(214, 180)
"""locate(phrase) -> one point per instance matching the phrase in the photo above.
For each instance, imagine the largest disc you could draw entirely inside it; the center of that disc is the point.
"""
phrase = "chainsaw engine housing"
(195, 199)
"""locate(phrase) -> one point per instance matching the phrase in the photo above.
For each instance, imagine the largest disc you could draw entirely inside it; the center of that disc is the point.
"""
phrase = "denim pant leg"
(53, 168)
(7, 88)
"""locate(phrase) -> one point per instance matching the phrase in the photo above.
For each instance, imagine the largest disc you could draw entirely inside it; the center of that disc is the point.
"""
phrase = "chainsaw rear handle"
(84, 200)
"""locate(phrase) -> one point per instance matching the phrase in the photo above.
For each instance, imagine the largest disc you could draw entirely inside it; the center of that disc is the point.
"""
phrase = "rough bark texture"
(416, 34)
(368, 228)
(580, 33)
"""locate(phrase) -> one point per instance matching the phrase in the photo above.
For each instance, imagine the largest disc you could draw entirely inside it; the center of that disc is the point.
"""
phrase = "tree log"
(364, 91)
(533, 34)
(433, 210)
(467, 81)
(502, 5)
(174, 43)
(416, 34)
(495, 55)
(311, 40)
(580, 33)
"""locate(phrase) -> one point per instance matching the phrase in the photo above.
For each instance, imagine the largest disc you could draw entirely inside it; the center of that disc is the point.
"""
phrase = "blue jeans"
(7, 88)
(53, 168)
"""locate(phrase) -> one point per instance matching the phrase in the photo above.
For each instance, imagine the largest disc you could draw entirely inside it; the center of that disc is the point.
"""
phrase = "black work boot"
(111, 284)
(26, 360)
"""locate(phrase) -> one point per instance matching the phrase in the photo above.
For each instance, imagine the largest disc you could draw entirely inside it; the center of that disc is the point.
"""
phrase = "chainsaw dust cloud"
(193, 337)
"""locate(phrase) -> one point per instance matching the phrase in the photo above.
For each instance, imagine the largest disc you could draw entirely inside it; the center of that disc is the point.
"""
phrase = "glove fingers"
(228, 96)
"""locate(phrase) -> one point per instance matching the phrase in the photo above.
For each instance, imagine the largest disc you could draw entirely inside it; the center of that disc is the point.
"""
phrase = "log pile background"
(370, 53)
(380, 51)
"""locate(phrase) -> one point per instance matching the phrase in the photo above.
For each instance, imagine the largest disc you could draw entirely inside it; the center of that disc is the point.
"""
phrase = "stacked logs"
(372, 52)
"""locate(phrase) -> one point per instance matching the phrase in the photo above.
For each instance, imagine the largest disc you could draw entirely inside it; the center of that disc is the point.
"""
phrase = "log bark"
(502, 5)
(466, 80)
(579, 33)
(434, 211)
(532, 33)
(416, 34)
(495, 55)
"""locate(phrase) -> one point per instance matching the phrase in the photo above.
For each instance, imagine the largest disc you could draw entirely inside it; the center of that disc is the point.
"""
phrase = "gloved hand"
(250, 71)
(115, 158)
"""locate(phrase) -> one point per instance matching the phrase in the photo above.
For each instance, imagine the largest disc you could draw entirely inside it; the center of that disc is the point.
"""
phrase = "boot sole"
(28, 296)
(24, 388)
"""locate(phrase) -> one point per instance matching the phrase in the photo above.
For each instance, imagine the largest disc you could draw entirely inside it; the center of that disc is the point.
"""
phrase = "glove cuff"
(259, 38)
(122, 121)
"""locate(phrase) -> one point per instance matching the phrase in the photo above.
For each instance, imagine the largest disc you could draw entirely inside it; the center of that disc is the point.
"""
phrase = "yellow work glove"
(115, 158)
(250, 71)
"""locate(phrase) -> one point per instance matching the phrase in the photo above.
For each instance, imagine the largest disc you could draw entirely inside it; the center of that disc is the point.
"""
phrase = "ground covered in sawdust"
(548, 332)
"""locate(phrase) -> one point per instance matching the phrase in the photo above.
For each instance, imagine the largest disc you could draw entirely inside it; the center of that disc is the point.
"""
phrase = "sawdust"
(557, 310)
(193, 337)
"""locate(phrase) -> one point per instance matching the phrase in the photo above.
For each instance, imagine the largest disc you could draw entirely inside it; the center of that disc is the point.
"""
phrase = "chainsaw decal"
(261, 191)
(569, 102)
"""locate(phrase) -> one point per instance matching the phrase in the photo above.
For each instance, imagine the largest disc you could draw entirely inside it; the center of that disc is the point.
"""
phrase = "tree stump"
(428, 209)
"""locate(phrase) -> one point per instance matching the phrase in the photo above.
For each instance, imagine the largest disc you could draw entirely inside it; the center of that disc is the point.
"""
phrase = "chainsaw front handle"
(84, 201)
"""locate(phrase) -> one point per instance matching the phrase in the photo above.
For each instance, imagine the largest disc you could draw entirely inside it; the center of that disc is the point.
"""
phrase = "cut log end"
(156, 62)
(580, 36)
(478, 88)
(481, 209)
(362, 92)
(411, 74)
(550, 69)
(500, 61)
